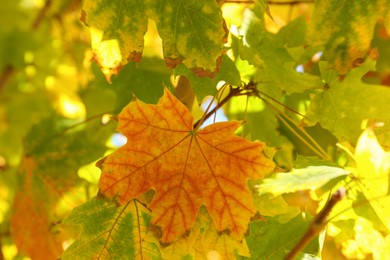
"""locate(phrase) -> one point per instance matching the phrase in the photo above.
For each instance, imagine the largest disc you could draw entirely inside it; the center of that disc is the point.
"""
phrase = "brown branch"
(318, 223)
(233, 93)
(6, 74)
(38, 20)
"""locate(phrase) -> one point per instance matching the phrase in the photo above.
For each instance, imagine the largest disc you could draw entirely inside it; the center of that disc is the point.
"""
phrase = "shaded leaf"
(110, 231)
(166, 154)
(47, 172)
(268, 53)
(204, 86)
(31, 219)
(310, 178)
(272, 240)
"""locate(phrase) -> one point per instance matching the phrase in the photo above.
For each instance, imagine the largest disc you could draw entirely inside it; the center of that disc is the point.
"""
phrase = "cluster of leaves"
(300, 81)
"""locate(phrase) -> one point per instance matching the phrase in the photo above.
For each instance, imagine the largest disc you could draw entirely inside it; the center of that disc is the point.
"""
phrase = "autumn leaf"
(31, 221)
(204, 242)
(372, 173)
(117, 32)
(193, 33)
(345, 30)
(186, 167)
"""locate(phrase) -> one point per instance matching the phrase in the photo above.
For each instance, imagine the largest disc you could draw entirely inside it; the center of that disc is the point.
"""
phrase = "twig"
(318, 223)
(234, 92)
(38, 20)
(6, 74)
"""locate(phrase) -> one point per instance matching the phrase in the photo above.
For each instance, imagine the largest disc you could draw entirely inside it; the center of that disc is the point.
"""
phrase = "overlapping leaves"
(193, 32)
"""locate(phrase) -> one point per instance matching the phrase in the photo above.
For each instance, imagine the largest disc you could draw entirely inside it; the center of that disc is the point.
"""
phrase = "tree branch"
(6, 74)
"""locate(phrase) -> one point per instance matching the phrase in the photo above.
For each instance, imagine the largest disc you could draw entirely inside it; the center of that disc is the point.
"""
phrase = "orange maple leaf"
(186, 167)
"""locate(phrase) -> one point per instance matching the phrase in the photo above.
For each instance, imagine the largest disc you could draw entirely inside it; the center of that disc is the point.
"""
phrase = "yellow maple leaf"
(186, 167)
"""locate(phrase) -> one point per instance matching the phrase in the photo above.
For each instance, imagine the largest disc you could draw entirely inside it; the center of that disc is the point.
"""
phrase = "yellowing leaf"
(186, 167)
(193, 33)
(345, 29)
(373, 169)
(204, 242)
(117, 32)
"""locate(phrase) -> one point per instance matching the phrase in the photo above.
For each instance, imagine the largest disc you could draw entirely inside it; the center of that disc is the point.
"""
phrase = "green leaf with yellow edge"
(193, 33)
(310, 178)
(345, 30)
(344, 104)
(117, 31)
(110, 231)
(372, 172)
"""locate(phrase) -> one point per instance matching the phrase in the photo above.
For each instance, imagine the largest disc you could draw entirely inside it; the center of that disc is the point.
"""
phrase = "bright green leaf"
(344, 104)
(310, 178)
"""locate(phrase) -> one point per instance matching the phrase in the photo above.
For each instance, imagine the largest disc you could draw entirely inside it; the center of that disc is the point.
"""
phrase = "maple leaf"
(193, 33)
(110, 231)
(336, 111)
(186, 167)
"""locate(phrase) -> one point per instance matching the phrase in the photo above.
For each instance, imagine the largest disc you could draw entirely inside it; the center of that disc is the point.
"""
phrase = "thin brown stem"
(6, 74)
(318, 223)
(233, 93)
(41, 15)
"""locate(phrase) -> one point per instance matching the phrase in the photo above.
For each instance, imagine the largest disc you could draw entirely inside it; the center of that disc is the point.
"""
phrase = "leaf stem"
(233, 93)
(318, 223)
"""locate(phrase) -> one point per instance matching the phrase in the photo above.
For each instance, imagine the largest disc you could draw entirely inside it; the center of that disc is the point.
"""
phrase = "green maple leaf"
(111, 232)
(272, 59)
(344, 104)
